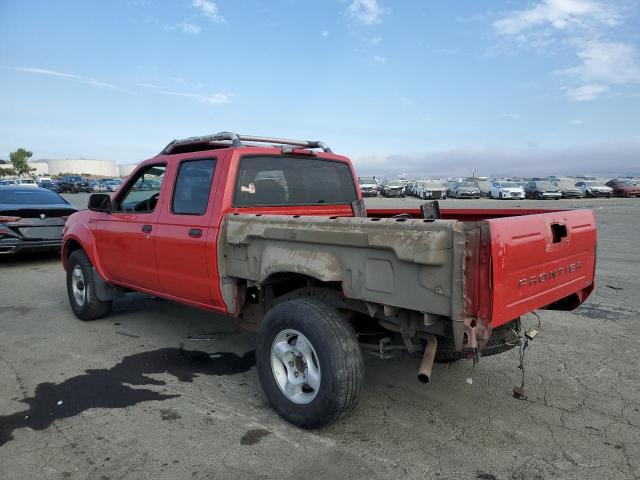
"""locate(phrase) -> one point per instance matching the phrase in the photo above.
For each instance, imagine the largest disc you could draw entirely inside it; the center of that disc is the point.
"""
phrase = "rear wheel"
(81, 288)
(309, 363)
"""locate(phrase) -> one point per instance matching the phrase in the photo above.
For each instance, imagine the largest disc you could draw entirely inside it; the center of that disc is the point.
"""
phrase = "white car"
(26, 182)
(368, 186)
(505, 190)
(594, 188)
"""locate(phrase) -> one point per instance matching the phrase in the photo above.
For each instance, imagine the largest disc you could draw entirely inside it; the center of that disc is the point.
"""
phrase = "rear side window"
(282, 181)
(193, 184)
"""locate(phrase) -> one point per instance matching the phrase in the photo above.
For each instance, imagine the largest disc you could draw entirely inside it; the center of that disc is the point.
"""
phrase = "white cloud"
(324, 33)
(212, 99)
(208, 9)
(586, 92)
(150, 85)
(366, 12)
(67, 76)
(514, 116)
(576, 121)
(559, 14)
(406, 101)
(609, 62)
(580, 26)
(379, 60)
(190, 28)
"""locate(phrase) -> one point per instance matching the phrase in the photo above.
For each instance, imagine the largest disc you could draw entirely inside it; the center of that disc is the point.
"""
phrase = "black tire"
(338, 355)
(91, 308)
(500, 195)
(537, 196)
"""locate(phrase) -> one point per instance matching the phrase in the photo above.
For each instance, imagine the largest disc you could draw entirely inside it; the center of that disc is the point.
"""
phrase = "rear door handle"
(195, 233)
(147, 228)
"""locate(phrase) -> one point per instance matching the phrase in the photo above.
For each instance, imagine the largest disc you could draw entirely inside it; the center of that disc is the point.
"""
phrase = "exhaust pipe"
(424, 372)
(7, 250)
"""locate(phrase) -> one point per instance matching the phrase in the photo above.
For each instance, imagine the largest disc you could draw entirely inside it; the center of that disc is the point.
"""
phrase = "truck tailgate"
(539, 259)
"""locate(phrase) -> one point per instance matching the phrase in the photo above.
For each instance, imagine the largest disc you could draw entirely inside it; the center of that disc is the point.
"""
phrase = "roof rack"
(230, 139)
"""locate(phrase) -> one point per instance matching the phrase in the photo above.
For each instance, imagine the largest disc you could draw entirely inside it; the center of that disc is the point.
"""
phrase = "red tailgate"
(540, 259)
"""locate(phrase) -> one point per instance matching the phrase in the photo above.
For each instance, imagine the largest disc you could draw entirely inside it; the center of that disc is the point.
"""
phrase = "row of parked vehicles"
(67, 184)
(539, 188)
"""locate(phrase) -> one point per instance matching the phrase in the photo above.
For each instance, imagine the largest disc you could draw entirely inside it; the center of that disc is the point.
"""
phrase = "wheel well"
(286, 282)
(69, 247)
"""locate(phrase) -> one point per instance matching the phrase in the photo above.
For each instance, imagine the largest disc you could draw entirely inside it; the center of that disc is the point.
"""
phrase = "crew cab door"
(125, 237)
(185, 241)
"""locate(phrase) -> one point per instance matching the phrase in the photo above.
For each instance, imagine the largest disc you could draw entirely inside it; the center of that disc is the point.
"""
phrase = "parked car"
(74, 184)
(542, 190)
(55, 186)
(298, 261)
(26, 182)
(430, 189)
(483, 184)
(7, 181)
(44, 182)
(31, 218)
(506, 190)
(624, 188)
(368, 186)
(111, 185)
(594, 188)
(464, 190)
(568, 188)
(393, 188)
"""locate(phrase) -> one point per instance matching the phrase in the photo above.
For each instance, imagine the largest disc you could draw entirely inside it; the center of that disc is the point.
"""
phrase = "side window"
(142, 194)
(193, 184)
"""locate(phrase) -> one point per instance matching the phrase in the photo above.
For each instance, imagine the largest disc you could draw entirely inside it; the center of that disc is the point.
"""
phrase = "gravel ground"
(115, 399)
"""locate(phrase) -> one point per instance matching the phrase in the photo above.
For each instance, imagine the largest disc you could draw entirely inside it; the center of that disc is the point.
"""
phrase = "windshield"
(509, 185)
(34, 196)
(366, 180)
(592, 183)
(394, 184)
(566, 184)
(467, 185)
(546, 186)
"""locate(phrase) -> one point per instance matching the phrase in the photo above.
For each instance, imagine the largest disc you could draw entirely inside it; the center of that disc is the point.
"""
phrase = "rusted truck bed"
(466, 273)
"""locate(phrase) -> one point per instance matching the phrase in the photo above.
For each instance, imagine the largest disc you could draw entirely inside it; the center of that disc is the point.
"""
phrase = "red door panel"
(127, 252)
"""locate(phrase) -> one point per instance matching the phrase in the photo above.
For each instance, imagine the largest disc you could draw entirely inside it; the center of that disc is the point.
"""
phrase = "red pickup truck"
(274, 232)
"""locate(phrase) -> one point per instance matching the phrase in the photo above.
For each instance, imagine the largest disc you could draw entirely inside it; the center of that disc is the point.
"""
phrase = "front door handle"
(195, 233)
(147, 228)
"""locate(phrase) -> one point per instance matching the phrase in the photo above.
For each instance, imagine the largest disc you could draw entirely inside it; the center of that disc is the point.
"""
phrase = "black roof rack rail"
(220, 140)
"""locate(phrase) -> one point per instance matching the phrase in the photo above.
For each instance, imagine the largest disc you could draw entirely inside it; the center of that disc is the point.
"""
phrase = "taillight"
(9, 219)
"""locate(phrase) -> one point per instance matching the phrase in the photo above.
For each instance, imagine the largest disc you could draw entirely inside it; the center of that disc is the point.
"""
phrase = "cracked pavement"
(134, 408)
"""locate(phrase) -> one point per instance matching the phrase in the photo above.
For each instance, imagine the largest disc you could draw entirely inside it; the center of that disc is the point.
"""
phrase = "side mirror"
(100, 202)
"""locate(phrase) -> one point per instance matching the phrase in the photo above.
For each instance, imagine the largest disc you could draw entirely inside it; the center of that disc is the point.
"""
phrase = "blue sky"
(425, 87)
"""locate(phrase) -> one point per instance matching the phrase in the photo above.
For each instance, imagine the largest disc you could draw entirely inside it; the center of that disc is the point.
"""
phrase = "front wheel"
(82, 290)
(309, 363)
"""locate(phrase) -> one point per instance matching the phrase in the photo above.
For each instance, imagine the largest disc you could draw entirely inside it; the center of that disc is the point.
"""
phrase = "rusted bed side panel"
(540, 259)
(397, 262)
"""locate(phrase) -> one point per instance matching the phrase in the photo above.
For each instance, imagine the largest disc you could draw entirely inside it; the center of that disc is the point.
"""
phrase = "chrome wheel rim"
(78, 286)
(295, 366)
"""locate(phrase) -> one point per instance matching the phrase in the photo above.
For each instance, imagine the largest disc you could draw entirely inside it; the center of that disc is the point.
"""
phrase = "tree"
(6, 172)
(20, 162)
